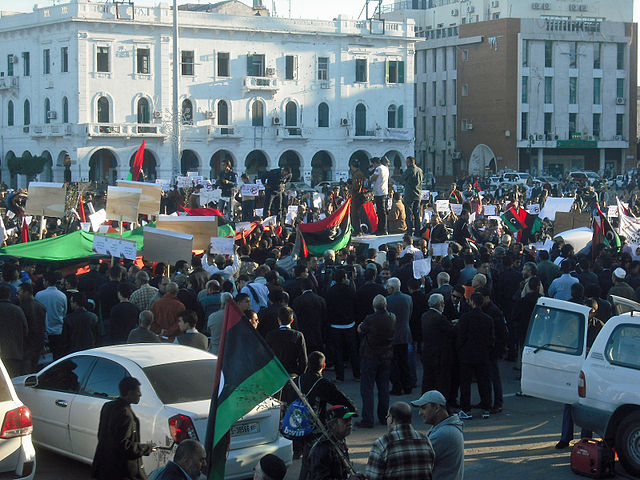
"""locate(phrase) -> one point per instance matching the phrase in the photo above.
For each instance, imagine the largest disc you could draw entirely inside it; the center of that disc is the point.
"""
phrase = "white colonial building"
(93, 80)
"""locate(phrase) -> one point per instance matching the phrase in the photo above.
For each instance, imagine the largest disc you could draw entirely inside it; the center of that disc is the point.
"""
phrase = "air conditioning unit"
(495, 4)
(13, 58)
(469, 126)
(275, 120)
(325, 84)
(157, 114)
(548, 136)
(546, 6)
(535, 6)
(618, 138)
(470, 9)
(539, 137)
(270, 71)
(620, 101)
(52, 115)
(209, 114)
(454, 12)
(344, 122)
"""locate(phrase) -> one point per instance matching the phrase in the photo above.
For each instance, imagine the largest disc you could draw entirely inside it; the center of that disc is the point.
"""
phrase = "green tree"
(27, 165)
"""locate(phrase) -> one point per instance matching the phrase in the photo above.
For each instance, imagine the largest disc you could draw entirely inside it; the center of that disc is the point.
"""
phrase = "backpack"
(297, 421)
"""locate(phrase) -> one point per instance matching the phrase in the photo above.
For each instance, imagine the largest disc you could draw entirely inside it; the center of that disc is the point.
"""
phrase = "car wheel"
(628, 443)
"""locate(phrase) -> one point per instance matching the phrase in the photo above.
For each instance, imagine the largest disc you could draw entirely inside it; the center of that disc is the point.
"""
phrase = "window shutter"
(386, 71)
(400, 121)
(401, 72)
(249, 63)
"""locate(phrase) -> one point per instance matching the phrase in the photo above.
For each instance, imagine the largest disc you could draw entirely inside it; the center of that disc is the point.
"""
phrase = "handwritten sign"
(98, 219)
(115, 247)
(46, 198)
(222, 246)
(442, 206)
(421, 268)
(440, 249)
(250, 190)
(456, 208)
(612, 211)
(534, 209)
(425, 195)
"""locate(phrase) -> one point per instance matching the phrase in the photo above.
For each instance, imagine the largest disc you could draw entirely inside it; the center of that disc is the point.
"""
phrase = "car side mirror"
(31, 381)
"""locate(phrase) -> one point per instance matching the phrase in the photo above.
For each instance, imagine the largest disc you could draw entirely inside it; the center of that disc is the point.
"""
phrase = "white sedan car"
(176, 384)
(17, 455)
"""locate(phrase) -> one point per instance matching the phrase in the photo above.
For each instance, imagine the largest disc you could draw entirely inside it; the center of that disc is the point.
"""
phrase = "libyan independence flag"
(603, 232)
(522, 223)
(247, 373)
(331, 233)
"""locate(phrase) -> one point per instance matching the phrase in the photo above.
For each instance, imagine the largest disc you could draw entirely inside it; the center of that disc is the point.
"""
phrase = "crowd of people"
(366, 314)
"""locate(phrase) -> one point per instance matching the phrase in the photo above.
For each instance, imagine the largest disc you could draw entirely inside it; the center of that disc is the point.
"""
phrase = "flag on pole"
(522, 223)
(83, 217)
(333, 232)
(247, 372)
(629, 226)
(603, 232)
(137, 164)
(25, 230)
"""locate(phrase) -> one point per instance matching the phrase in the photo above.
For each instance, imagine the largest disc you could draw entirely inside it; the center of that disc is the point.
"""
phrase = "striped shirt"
(401, 454)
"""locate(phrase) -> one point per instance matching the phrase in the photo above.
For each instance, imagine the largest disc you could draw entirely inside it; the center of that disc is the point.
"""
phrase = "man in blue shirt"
(56, 304)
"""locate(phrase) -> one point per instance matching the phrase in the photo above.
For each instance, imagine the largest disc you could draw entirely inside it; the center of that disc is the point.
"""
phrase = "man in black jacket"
(475, 341)
(274, 184)
(80, 327)
(190, 459)
(311, 316)
(119, 452)
(36, 315)
(501, 334)
(376, 351)
(367, 292)
(288, 344)
(14, 330)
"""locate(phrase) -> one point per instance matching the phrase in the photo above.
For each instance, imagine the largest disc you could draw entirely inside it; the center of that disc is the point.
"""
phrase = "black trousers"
(481, 372)
(357, 200)
(400, 379)
(381, 211)
(412, 210)
(436, 377)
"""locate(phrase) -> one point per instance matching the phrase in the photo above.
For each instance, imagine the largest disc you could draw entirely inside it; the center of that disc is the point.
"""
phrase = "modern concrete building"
(92, 80)
(536, 86)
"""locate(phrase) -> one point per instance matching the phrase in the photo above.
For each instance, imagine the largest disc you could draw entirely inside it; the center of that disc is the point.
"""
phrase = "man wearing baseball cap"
(324, 462)
(445, 435)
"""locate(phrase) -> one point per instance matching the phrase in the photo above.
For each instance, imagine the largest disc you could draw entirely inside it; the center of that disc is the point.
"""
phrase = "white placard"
(381, 257)
(425, 195)
(293, 209)
(472, 218)
(10, 214)
(489, 210)
(222, 245)
(250, 190)
(103, 229)
(317, 200)
(183, 182)
(164, 184)
(555, 204)
(242, 226)
(98, 219)
(442, 206)
(115, 247)
(534, 209)
(440, 249)
(271, 221)
(85, 226)
(258, 212)
(259, 183)
(456, 208)
(421, 268)
(612, 211)
(207, 196)
(426, 217)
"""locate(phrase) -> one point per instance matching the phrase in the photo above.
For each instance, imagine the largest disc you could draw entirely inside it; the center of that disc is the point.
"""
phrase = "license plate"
(245, 429)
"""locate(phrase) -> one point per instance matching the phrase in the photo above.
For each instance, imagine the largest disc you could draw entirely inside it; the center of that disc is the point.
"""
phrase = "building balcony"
(294, 133)
(402, 134)
(50, 130)
(225, 132)
(261, 83)
(195, 134)
(123, 130)
(9, 83)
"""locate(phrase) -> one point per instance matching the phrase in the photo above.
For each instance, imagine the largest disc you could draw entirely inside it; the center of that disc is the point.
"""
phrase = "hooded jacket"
(447, 441)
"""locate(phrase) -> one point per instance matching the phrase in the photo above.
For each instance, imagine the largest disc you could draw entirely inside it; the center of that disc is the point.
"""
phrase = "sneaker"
(464, 415)
(495, 410)
(485, 414)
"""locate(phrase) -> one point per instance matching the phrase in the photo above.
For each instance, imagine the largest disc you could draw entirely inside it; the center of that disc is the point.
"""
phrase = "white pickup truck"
(603, 384)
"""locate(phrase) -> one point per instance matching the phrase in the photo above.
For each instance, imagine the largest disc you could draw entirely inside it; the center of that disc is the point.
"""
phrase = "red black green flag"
(522, 223)
(603, 232)
(247, 372)
(333, 232)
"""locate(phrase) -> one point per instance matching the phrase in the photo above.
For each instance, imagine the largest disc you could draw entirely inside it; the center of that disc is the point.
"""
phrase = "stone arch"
(363, 158)
(189, 161)
(291, 159)
(103, 166)
(480, 160)
(47, 171)
(215, 163)
(256, 163)
(257, 109)
(395, 162)
(149, 171)
(321, 165)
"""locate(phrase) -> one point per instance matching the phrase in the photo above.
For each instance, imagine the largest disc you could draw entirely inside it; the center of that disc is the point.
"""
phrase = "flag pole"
(321, 426)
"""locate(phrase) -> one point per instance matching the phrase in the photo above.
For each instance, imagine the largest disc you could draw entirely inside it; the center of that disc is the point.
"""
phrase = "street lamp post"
(175, 115)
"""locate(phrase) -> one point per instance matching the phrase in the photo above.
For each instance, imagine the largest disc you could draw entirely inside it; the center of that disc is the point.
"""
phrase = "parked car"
(299, 186)
(515, 178)
(176, 384)
(616, 182)
(543, 180)
(602, 383)
(17, 454)
(329, 185)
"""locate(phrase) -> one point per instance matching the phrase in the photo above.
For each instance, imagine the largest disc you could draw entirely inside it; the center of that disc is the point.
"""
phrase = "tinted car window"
(104, 379)
(66, 376)
(623, 347)
(5, 393)
(181, 382)
(556, 330)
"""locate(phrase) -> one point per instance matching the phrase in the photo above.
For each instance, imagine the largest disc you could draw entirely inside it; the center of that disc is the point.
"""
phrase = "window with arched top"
(10, 113)
(27, 112)
(187, 112)
(103, 110)
(65, 110)
(291, 114)
(400, 120)
(47, 109)
(144, 116)
(223, 113)
(257, 114)
(392, 111)
(361, 120)
(323, 115)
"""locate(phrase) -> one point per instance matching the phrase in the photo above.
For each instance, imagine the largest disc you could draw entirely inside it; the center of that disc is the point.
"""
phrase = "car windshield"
(181, 382)
(556, 330)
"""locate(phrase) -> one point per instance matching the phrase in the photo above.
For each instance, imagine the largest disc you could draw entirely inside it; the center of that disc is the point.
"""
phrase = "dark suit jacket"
(364, 298)
(119, 451)
(475, 337)
(376, 332)
(194, 339)
(171, 471)
(290, 348)
(400, 304)
(438, 335)
(80, 330)
(142, 335)
(14, 329)
(35, 314)
(311, 317)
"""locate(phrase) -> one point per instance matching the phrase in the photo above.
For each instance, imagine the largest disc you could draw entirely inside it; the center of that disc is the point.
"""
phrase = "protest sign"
(421, 268)
(166, 246)
(570, 220)
(149, 198)
(242, 226)
(555, 204)
(612, 211)
(164, 184)
(425, 195)
(250, 190)
(201, 228)
(489, 210)
(98, 219)
(46, 198)
(456, 208)
(317, 200)
(258, 212)
(115, 247)
(440, 249)
(442, 206)
(534, 208)
(122, 203)
(222, 246)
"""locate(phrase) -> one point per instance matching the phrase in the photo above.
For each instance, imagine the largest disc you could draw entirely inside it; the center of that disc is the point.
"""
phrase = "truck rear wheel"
(628, 443)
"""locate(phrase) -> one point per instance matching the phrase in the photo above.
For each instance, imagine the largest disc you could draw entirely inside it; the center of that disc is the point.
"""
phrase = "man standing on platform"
(412, 181)
(380, 181)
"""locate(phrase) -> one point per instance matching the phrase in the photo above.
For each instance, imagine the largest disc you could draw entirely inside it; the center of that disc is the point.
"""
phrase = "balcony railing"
(123, 130)
(7, 83)
(261, 83)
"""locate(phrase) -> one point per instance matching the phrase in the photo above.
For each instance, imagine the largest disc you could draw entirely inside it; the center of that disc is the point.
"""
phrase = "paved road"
(517, 444)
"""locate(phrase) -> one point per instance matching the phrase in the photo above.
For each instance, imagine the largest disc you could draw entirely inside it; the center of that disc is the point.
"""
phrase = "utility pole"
(175, 111)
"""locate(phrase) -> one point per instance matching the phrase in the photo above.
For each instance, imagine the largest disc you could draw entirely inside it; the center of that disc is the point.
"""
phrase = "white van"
(603, 384)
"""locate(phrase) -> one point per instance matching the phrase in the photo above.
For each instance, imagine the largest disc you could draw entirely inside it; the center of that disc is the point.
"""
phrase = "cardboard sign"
(221, 245)
(421, 268)
(115, 247)
(442, 206)
(570, 220)
(533, 209)
(166, 246)
(440, 249)
(150, 197)
(201, 228)
(122, 203)
(46, 198)
(489, 210)
(250, 190)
